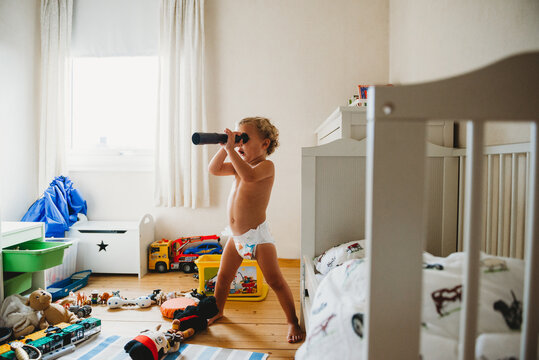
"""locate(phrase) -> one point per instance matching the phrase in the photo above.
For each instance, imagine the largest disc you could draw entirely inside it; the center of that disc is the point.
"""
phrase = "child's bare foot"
(295, 334)
(215, 318)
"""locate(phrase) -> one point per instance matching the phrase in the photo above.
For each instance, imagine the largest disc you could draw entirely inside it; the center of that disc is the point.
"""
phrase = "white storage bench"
(115, 247)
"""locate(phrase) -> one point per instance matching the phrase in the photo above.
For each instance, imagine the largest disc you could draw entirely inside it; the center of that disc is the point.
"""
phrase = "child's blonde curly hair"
(266, 129)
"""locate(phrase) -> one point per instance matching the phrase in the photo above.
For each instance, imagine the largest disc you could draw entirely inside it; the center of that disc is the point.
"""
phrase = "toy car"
(81, 311)
(205, 249)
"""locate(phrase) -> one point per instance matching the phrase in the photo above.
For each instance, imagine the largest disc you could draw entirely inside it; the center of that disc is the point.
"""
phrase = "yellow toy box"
(248, 285)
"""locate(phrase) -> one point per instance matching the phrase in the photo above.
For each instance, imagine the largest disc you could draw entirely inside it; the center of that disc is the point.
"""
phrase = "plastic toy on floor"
(117, 302)
(152, 344)
(24, 351)
(81, 311)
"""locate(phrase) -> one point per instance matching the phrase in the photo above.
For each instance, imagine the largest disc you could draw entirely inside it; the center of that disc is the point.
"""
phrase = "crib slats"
(461, 203)
(513, 226)
(388, 160)
(501, 191)
(530, 326)
(472, 236)
(488, 238)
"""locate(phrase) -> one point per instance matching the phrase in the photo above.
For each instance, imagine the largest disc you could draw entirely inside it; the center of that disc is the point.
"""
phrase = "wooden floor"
(256, 326)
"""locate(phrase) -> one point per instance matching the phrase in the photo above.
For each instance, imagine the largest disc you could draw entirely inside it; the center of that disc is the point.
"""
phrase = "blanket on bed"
(336, 320)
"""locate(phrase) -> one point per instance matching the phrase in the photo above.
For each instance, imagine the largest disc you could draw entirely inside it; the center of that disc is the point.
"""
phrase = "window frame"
(101, 159)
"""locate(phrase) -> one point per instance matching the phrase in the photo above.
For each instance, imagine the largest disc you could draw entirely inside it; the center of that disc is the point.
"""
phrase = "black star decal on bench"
(102, 246)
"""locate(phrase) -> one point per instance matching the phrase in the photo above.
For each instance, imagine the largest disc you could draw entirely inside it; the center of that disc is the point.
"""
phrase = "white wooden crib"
(382, 189)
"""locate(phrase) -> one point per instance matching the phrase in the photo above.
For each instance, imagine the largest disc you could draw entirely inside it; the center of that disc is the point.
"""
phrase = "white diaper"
(246, 243)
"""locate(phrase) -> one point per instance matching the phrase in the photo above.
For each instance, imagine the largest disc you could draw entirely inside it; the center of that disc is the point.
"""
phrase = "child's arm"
(245, 171)
(218, 166)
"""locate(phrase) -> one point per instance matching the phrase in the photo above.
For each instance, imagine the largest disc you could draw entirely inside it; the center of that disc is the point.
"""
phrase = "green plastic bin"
(33, 255)
(15, 283)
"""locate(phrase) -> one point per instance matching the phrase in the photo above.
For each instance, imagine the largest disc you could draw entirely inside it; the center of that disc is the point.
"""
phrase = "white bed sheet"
(336, 329)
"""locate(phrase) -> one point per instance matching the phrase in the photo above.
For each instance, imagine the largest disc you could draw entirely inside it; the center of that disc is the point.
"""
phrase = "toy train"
(57, 340)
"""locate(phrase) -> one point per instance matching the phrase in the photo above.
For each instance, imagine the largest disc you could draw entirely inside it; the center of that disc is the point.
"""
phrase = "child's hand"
(231, 142)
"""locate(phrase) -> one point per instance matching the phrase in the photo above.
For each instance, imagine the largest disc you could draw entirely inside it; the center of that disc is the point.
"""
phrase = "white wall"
(19, 82)
(437, 39)
(291, 61)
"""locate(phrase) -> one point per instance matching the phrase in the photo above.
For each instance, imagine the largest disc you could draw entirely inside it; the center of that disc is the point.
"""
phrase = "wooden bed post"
(473, 212)
(530, 325)
(396, 162)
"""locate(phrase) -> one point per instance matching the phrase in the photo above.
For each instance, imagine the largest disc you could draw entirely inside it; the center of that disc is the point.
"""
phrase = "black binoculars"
(200, 138)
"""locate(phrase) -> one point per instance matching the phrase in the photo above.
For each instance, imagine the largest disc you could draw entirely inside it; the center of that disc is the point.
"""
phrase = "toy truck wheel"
(187, 268)
(161, 267)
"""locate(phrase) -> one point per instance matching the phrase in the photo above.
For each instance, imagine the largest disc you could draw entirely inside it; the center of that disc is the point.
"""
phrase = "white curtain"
(56, 17)
(181, 175)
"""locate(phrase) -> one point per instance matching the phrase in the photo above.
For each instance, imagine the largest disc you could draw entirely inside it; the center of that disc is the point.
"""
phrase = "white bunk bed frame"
(396, 221)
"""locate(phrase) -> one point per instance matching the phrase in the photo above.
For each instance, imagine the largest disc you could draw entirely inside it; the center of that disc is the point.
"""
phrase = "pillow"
(337, 255)
(170, 306)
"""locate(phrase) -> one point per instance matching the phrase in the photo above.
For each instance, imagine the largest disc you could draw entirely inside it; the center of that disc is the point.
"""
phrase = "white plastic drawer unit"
(115, 247)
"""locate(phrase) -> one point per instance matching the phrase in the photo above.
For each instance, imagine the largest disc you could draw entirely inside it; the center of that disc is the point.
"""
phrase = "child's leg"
(266, 256)
(230, 262)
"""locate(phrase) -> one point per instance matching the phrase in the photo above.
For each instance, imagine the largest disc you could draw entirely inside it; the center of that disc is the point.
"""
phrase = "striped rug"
(111, 347)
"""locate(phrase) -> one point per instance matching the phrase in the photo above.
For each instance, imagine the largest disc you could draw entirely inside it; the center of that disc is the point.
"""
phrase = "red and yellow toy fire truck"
(167, 255)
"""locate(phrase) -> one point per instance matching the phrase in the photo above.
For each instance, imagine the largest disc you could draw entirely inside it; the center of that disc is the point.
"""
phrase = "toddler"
(247, 203)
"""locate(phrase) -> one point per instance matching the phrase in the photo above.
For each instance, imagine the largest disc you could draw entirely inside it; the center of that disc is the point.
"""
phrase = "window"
(113, 112)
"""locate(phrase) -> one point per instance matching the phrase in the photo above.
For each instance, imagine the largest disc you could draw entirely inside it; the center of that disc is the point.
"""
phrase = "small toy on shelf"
(152, 344)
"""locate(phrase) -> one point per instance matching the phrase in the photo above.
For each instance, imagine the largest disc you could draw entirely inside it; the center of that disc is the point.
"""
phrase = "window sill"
(110, 162)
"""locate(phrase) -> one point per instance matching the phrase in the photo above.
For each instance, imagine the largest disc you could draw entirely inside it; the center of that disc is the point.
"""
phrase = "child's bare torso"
(247, 204)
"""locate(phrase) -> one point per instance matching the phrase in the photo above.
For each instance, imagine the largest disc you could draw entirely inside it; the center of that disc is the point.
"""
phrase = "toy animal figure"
(81, 298)
(160, 298)
(103, 298)
(53, 314)
(173, 295)
(152, 344)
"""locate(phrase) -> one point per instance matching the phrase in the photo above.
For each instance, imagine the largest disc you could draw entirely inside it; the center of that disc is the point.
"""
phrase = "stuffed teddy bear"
(152, 344)
(53, 314)
(195, 317)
